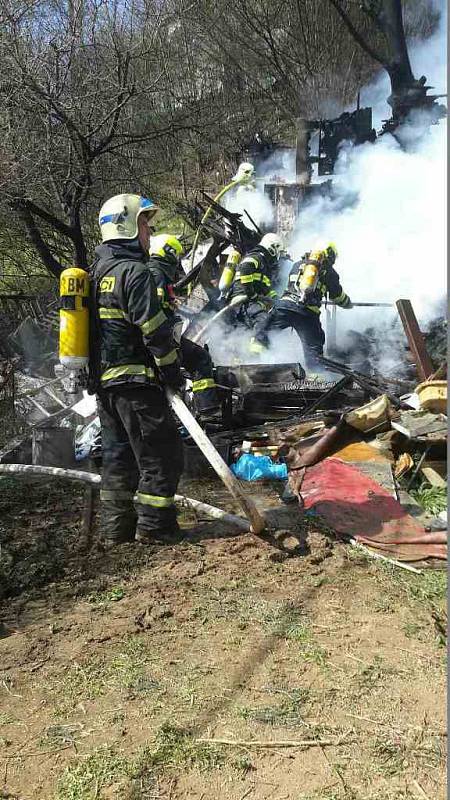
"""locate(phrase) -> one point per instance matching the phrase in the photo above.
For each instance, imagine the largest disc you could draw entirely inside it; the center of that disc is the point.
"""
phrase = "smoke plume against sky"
(387, 215)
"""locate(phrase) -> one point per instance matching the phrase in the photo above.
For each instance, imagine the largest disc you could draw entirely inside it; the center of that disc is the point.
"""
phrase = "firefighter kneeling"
(133, 356)
(310, 280)
(165, 254)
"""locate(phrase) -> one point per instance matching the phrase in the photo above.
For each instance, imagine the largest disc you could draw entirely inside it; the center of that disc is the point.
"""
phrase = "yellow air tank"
(74, 318)
(310, 275)
(229, 270)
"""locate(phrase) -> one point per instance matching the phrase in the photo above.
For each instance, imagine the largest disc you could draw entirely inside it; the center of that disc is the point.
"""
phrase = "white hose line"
(373, 554)
(237, 301)
(95, 480)
(212, 511)
(51, 472)
(218, 464)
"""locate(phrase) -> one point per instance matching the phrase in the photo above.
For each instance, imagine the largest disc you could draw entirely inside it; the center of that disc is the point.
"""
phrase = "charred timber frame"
(415, 338)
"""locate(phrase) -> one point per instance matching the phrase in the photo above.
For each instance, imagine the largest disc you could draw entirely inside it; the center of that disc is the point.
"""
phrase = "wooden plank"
(432, 471)
(415, 338)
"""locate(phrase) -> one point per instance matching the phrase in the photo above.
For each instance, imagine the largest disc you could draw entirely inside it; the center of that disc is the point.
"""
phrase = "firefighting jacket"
(328, 284)
(135, 343)
(164, 275)
(252, 277)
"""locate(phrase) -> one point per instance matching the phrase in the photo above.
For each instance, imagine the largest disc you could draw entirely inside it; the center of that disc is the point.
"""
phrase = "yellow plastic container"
(371, 415)
(433, 396)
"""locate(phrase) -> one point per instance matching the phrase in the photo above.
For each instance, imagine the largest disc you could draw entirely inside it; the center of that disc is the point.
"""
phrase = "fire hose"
(255, 522)
(235, 302)
(94, 480)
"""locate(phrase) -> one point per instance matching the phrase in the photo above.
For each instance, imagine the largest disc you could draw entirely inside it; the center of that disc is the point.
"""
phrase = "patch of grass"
(112, 595)
(85, 779)
(7, 719)
(372, 673)
(125, 671)
(79, 682)
(391, 754)
(309, 649)
(288, 713)
(383, 604)
(243, 764)
(431, 586)
(237, 602)
(432, 498)
(58, 735)
(395, 752)
(412, 630)
(176, 746)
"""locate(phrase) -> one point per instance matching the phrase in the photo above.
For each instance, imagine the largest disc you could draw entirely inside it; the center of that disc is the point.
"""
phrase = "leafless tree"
(386, 45)
(81, 93)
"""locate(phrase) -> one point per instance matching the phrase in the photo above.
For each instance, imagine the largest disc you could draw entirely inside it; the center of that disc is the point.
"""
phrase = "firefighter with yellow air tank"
(133, 356)
(252, 294)
(310, 280)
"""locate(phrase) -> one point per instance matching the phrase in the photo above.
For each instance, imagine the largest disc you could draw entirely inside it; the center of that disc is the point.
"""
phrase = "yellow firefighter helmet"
(166, 246)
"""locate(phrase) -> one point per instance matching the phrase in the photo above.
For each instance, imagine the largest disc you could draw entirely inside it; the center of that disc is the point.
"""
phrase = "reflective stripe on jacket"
(252, 276)
(136, 341)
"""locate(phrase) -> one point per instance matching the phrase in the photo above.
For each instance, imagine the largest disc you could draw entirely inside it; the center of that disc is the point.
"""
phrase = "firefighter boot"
(170, 535)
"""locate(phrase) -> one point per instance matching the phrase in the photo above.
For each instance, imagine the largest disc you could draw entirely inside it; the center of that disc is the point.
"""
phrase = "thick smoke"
(253, 200)
(387, 216)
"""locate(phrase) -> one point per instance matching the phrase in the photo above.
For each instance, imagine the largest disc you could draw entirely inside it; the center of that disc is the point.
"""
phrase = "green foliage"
(289, 713)
(431, 498)
(112, 595)
(310, 651)
(87, 777)
(176, 746)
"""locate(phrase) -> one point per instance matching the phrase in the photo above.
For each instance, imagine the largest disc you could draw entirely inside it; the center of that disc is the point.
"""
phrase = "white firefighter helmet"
(273, 244)
(166, 245)
(245, 172)
(118, 217)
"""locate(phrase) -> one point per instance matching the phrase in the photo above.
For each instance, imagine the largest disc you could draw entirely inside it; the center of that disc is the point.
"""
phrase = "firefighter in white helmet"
(253, 285)
(245, 173)
(133, 356)
(165, 254)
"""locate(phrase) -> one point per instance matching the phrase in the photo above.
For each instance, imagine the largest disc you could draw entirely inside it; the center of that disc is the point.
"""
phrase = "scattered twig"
(334, 769)
(36, 755)
(10, 692)
(282, 743)
(246, 793)
(421, 791)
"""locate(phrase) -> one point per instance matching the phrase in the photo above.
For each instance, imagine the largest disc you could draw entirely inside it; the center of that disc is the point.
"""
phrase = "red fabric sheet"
(356, 506)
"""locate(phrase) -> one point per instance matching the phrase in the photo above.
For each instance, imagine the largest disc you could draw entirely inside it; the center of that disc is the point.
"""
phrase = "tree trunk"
(399, 66)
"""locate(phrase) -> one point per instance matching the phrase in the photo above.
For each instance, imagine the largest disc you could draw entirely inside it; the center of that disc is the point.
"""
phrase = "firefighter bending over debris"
(251, 292)
(133, 356)
(310, 280)
(165, 254)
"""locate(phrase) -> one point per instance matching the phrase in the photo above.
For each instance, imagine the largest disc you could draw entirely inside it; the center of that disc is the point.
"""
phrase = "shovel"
(215, 459)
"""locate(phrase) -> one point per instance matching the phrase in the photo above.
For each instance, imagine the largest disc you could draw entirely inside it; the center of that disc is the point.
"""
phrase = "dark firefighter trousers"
(198, 364)
(142, 462)
(306, 324)
(255, 315)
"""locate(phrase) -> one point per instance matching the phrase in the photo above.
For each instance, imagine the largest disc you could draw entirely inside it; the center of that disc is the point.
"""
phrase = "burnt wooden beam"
(415, 338)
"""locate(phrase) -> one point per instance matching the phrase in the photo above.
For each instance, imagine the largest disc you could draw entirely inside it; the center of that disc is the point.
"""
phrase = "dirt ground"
(196, 670)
